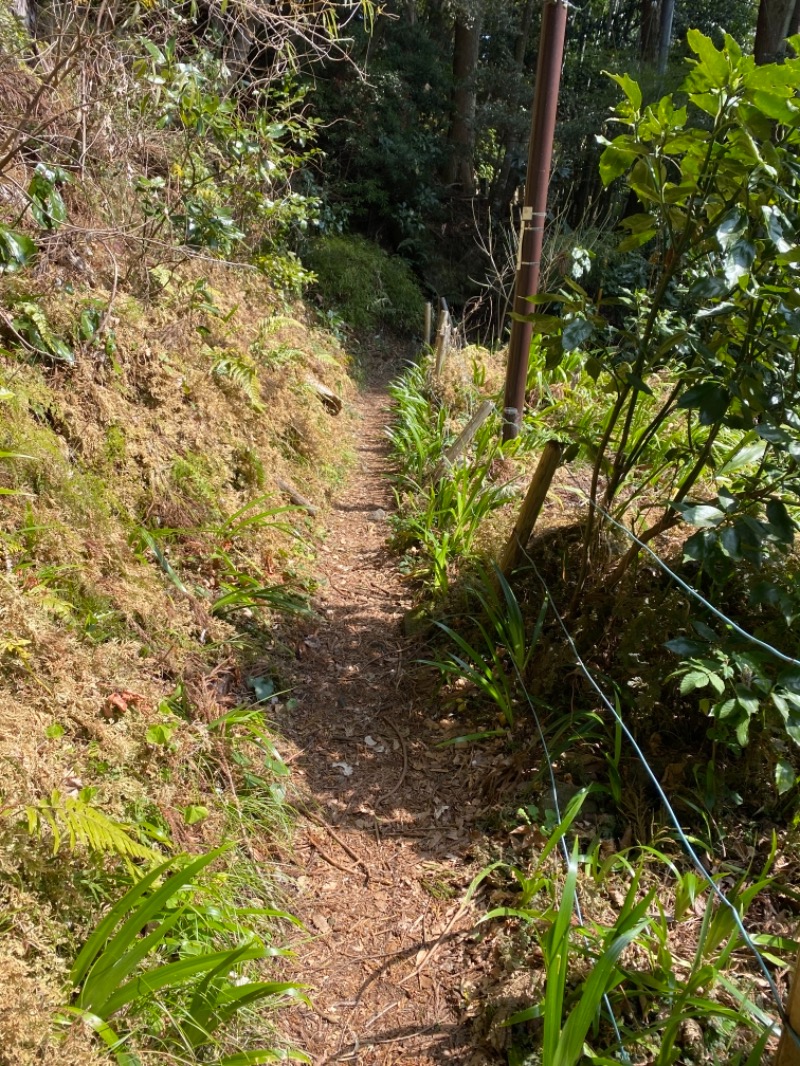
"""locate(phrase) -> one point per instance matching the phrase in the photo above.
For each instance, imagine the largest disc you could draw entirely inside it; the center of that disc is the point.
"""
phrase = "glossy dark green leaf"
(729, 541)
(707, 288)
(779, 229)
(785, 776)
(780, 522)
(593, 367)
(16, 250)
(575, 333)
(701, 514)
(709, 398)
(738, 261)
(731, 227)
(686, 647)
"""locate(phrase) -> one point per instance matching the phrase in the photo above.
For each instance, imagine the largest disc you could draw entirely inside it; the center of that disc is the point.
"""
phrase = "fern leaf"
(85, 825)
(242, 373)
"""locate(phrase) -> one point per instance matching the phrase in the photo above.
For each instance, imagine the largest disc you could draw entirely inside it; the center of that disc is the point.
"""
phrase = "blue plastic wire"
(687, 846)
(693, 592)
(624, 1057)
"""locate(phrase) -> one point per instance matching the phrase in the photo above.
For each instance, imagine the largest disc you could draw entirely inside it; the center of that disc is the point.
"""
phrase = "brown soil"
(385, 846)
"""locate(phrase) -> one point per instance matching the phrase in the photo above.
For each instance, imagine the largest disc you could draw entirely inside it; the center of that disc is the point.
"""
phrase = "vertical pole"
(426, 337)
(442, 339)
(788, 1053)
(540, 155)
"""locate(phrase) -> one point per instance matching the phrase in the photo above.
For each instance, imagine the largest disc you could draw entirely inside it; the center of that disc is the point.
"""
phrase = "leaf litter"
(388, 842)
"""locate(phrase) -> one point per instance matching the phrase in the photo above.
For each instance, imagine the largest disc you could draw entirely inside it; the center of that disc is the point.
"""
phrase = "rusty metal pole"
(540, 155)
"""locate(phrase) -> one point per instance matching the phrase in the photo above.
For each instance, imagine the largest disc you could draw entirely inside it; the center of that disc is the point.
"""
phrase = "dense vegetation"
(204, 207)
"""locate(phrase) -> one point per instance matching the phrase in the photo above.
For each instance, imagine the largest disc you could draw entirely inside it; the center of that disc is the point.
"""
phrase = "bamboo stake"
(531, 506)
(442, 340)
(426, 336)
(788, 1053)
(464, 439)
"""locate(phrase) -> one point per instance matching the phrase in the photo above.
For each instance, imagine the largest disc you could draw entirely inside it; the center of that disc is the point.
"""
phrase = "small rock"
(378, 515)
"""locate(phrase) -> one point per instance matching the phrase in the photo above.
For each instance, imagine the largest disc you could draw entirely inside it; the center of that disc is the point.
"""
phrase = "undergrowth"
(157, 377)
(609, 940)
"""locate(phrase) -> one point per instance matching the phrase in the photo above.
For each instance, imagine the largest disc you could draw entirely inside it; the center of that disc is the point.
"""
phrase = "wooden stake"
(531, 506)
(442, 340)
(426, 336)
(464, 439)
(788, 1053)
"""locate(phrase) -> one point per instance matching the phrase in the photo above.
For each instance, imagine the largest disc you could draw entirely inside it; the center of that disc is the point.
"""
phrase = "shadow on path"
(385, 847)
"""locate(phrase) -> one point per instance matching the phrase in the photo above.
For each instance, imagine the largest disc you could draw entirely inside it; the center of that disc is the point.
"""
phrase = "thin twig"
(329, 858)
(442, 936)
(404, 771)
(342, 843)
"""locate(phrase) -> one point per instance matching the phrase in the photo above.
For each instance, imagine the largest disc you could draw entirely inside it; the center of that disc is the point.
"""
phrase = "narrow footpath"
(386, 845)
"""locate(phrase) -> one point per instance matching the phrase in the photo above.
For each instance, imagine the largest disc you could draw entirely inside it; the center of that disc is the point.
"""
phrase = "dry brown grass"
(110, 446)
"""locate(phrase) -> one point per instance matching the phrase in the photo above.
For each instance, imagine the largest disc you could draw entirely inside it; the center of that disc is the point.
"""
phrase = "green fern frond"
(76, 820)
(241, 372)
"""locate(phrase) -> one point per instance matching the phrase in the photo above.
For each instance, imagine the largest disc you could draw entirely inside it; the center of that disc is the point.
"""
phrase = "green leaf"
(712, 66)
(738, 261)
(710, 398)
(707, 288)
(16, 250)
(731, 227)
(785, 776)
(194, 813)
(263, 687)
(171, 975)
(254, 1058)
(615, 161)
(685, 646)
(692, 680)
(575, 333)
(789, 713)
(780, 522)
(742, 732)
(131, 913)
(160, 734)
(629, 87)
(702, 515)
(779, 229)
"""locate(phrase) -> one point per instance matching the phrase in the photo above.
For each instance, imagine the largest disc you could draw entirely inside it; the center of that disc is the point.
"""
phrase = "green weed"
(128, 964)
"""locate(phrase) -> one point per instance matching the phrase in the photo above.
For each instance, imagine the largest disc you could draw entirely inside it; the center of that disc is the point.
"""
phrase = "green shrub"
(366, 285)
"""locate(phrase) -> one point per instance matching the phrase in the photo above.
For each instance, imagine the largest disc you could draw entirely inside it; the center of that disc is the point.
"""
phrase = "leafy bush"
(366, 285)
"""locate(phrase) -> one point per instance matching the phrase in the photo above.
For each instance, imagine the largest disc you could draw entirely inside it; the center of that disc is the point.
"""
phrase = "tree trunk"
(25, 10)
(776, 19)
(461, 140)
(505, 181)
(649, 32)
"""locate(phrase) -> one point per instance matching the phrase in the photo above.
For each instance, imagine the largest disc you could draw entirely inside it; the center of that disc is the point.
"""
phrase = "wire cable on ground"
(685, 842)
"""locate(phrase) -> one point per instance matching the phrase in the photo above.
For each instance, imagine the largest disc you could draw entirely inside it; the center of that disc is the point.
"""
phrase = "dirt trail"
(385, 856)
